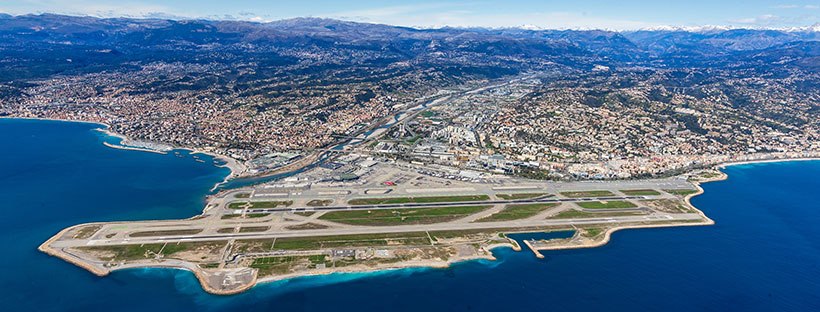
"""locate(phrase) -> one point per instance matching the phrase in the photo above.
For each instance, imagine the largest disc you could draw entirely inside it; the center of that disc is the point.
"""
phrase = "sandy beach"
(237, 168)
(387, 267)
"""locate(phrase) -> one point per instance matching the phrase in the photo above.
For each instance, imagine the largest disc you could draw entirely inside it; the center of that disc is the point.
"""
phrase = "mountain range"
(114, 42)
(297, 83)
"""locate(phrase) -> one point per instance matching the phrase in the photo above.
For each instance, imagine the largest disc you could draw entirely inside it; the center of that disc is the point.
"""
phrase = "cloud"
(391, 12)
(425, 15)
(97, 8)
(776, 21)
(762, 20)
(797, 6)
(459, 15)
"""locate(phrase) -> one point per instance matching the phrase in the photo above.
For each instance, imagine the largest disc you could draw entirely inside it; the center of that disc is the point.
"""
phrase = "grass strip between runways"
(385, 217)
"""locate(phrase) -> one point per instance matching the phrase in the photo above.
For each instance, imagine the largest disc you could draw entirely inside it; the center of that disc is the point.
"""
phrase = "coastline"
(236, 167)
(608, 233)
(394, 267)
(100, 271)
(752, 162)
(432, 265)
(201, 274)
(46, 248)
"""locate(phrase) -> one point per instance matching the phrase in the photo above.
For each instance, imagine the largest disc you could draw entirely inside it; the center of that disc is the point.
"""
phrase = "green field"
(260, 204)
(253, 245)
(708, 175)
(281, 265)
(667, 205)
(274, 265)
(382, 217)
(413, 140)
(148, 251)
(515, 212)
(592, 232)
(644, 192)
(520, 195)
(681, 192)
(87, 231)
(244, 229)
(578, 214)
(494, 232)
(612, 204)
(165, 233)
(250, 229)
(243, 195)
(132, 252)
(462, 233)
(405, 200)
(363, 240)
(319, 202)
(306, 226)
(582, 194)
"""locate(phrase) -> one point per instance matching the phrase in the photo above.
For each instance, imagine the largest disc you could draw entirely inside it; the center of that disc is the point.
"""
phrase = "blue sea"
(762, 255)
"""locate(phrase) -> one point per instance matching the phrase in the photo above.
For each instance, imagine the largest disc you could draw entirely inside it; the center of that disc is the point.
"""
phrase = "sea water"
(763, 254)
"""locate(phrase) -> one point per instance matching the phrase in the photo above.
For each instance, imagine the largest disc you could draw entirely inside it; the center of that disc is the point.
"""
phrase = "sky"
(553, 14)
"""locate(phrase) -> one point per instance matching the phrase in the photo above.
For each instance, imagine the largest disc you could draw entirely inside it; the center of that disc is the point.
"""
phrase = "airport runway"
(351, 230)
(443, 204)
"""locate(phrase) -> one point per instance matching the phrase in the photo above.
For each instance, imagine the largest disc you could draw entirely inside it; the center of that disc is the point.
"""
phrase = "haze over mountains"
(114, 42)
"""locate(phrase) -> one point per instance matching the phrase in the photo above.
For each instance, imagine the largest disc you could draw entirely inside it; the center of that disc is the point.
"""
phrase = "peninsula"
(393, 215)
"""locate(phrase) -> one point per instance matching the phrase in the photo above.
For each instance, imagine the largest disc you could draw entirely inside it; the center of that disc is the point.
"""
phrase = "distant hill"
(325, 76)
(50, 37)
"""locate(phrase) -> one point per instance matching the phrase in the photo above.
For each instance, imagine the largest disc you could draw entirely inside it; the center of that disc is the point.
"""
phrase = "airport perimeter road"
(444, 204)
(379, 230)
